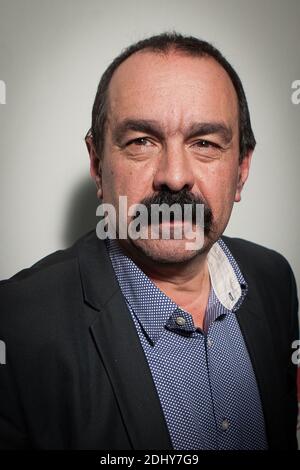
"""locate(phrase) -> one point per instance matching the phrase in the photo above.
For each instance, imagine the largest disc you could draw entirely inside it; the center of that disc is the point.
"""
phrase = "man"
(141, 343)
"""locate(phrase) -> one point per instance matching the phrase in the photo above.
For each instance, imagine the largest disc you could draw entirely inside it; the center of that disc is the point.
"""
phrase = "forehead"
(173, 88)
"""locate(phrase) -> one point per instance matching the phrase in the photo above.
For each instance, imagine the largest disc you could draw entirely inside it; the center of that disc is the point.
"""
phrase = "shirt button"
(180, 321)
(209, 343)
(230, 296)
(225, 424)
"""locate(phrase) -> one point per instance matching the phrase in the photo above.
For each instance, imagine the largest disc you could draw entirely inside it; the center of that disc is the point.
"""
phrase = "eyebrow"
(155, 129)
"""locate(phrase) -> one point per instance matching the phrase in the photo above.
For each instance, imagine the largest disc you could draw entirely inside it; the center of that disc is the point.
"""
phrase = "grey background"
(52, 54)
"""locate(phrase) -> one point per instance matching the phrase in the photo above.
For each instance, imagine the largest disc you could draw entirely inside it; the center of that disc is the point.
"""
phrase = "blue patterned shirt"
(204, 378)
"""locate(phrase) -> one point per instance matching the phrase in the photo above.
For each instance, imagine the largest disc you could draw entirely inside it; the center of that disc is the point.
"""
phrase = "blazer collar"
(119, 348)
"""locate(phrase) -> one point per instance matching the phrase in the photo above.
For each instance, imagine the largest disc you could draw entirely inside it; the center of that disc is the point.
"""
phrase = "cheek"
(123, 179)
(218, 186)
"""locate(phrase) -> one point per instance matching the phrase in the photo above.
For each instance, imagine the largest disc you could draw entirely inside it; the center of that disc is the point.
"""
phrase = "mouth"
(160, 218)
(170, 219)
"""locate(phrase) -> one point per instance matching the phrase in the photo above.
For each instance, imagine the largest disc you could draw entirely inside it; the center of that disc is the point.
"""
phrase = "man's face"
(172, 125)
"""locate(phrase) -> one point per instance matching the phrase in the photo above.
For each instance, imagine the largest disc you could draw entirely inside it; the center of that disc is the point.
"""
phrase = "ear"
(243, 173)
(95, 165)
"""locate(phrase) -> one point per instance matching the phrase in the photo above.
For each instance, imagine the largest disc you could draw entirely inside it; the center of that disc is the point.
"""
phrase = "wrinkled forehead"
(175, 88)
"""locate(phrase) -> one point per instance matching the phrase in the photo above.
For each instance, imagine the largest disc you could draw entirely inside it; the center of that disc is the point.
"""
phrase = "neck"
(186, 283)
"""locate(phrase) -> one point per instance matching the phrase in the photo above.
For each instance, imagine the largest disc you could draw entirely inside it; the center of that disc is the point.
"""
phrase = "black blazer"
(76, 376)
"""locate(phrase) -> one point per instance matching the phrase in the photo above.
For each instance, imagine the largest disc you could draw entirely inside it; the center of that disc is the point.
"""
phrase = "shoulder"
(35, 280)
(267, 272)
(42, 296)
(271, 283)
(257, 259)
(48, 267)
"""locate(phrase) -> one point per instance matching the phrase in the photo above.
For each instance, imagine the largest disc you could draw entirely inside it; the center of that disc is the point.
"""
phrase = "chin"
(168, 251)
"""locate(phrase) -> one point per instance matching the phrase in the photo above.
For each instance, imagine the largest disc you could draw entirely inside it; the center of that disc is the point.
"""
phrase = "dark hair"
(164, 43)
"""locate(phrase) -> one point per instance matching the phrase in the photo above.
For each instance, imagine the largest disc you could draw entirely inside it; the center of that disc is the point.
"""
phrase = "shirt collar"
(153, 309)
(150, 305)
(226, 278)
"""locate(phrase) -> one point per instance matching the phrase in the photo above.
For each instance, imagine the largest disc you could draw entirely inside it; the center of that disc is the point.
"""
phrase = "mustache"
(181, 198)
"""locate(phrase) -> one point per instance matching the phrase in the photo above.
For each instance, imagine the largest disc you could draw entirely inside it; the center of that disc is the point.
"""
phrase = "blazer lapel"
(119, 347)
(252, 320)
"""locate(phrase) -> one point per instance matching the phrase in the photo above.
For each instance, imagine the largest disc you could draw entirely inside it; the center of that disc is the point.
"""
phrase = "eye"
(206, 144)
(207, 150)
(140, 141)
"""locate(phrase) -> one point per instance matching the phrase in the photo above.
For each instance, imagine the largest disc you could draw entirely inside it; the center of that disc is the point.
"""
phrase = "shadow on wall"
(81, 214)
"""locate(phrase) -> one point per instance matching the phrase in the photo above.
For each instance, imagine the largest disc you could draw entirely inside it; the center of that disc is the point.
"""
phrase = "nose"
(174, 170)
